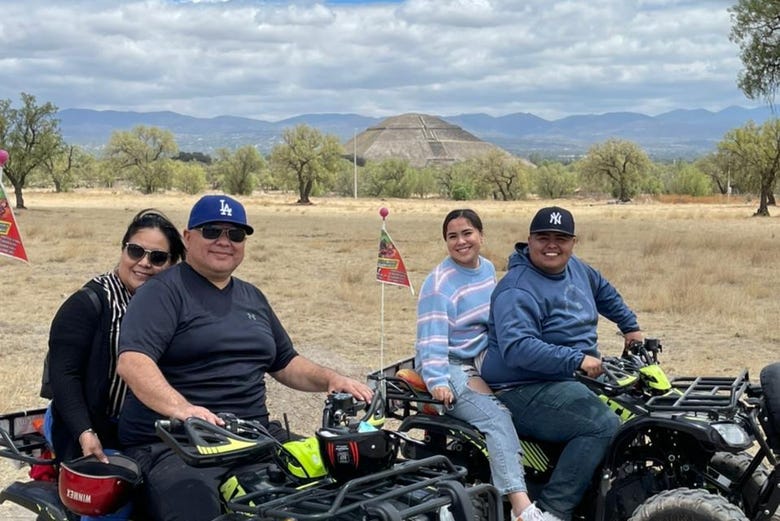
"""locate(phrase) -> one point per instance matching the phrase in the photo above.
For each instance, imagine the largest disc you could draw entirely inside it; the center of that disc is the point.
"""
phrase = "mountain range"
(677, 134)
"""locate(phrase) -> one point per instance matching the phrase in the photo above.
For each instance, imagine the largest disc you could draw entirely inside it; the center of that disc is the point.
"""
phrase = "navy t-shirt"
(213, 346)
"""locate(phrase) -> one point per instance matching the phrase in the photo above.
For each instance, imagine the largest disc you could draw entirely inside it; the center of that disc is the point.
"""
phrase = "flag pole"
(390, 269)
(383, 212)
(382, 331)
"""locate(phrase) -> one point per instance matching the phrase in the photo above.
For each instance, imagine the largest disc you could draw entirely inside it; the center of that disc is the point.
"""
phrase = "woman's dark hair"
(151, 218)
(468, 214)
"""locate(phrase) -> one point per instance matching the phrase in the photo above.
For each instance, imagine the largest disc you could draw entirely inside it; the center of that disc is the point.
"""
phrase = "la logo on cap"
(225, 209)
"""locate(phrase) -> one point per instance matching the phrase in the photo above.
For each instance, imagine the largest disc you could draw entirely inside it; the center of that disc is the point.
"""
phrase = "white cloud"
(272, 60)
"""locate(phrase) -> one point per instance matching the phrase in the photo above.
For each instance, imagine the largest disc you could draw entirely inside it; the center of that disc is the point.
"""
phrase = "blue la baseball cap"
(218, 208)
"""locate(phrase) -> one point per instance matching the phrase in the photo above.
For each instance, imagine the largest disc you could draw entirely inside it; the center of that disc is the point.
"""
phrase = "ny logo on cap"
(555, 218)
(225, 209)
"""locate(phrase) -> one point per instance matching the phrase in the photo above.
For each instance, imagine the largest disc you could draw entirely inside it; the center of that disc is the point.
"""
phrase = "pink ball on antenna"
(3, 157)
(384, 212)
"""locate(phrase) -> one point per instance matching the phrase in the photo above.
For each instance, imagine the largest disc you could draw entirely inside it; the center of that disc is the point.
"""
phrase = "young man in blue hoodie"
(542, 328)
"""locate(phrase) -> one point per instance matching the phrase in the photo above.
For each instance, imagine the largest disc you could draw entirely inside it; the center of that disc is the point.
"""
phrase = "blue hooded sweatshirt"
(541, 326)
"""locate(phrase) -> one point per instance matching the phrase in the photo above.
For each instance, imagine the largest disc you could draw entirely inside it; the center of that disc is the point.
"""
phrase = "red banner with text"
(390, 267)
(10, 239)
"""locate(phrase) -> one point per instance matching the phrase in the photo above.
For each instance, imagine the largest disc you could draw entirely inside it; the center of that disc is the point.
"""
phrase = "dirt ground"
(702, 278)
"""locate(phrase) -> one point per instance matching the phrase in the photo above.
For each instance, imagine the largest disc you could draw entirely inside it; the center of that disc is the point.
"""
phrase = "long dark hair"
(468, 214)
(155, 219)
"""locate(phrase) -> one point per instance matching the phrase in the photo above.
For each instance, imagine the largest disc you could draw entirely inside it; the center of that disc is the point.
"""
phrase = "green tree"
(622, 163)
(755, 153)
(189, 176)
(31, 136)
(423, 181)
(686, 179)
(145, 154)
(389, 178)
(239, 171)
(60, 168)
(461, 181)
(306, 157)
(555, 180)
(504, 174)
(756, 29)
(717, 166)
(104, 173)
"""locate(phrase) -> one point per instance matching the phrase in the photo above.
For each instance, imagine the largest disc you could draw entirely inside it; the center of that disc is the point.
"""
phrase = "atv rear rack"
(401, 398)
(411, 488)
(20, 438)
(714, 395)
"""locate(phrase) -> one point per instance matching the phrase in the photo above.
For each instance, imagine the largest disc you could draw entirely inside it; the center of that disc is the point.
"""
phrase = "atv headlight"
(733, 435)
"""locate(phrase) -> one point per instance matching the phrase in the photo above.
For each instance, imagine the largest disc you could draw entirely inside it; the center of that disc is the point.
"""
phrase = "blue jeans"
(564, 412)
(491, 417)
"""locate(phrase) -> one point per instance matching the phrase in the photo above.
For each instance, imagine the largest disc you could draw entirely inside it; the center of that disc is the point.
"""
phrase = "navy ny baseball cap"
(218, 208)
(553, 219)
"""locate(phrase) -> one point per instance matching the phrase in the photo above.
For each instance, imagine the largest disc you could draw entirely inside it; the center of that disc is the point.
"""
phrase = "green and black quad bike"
(348, 471)
(689, 448)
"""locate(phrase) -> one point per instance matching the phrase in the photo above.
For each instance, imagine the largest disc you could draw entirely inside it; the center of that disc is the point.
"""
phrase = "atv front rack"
(716, 396)
(408, 490)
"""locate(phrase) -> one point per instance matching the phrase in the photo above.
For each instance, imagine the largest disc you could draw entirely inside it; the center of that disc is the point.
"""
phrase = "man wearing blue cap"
(542, 328)
(199, 341)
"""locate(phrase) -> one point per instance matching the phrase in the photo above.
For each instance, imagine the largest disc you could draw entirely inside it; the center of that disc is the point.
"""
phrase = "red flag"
(390, 267)
(10, 240)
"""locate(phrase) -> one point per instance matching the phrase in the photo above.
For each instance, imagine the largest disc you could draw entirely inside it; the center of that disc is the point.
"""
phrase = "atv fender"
(770, 385)
(37, 496)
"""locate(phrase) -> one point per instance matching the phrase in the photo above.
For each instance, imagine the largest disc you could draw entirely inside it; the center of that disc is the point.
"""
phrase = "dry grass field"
(703, 278)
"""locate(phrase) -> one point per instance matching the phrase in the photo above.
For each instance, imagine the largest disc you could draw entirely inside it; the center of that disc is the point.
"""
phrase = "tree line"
(311, 163)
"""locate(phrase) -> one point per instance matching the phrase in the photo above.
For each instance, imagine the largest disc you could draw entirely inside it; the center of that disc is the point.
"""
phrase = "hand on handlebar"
(199, 412)
(347, 385)
(591, 366)
(634, 336)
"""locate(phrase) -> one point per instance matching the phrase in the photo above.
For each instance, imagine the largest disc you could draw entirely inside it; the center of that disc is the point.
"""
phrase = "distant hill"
(675, 134)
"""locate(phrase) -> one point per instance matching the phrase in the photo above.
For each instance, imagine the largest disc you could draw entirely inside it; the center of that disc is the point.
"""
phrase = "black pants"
(174, 491)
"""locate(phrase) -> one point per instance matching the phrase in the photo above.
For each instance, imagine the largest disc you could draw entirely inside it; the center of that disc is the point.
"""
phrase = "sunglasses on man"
(212, 233)
(137, 252)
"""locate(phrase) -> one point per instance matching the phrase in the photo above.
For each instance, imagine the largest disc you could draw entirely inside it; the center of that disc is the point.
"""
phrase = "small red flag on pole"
(390, 268)
(10, 239)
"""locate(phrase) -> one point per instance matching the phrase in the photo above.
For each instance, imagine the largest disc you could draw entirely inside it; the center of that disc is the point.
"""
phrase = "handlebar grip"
(171, 424)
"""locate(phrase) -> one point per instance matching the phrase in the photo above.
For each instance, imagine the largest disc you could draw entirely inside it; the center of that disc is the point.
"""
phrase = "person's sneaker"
(533, 513)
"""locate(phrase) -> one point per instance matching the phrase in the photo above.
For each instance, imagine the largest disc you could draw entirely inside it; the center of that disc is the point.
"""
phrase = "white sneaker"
(533, 513)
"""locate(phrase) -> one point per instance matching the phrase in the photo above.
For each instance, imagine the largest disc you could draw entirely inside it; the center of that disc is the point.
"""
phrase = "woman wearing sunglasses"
(85, 389)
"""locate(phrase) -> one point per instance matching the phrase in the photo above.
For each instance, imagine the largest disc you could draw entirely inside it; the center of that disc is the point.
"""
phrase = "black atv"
(689, 448)
(348, 472)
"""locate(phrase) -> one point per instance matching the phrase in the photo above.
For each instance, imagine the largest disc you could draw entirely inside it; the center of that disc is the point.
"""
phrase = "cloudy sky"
(272, 59)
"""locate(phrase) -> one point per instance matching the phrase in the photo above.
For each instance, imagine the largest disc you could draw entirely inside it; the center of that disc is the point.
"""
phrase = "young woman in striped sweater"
(452, 317)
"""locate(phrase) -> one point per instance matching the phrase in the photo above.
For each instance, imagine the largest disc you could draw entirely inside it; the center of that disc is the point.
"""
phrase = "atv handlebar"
(201, 444)
(619, 374)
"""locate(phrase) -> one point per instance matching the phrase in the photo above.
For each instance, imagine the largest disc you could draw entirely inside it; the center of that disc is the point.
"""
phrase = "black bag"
(46, 377)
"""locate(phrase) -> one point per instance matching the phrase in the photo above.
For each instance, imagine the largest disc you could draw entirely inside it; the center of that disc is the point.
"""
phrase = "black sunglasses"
(212, 233)
(156, 257)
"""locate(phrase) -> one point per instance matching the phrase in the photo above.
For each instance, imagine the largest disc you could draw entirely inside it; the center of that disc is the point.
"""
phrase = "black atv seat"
(34, 494)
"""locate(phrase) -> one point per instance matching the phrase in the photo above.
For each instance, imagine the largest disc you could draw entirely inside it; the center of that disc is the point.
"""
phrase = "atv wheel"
(685, 504)
(733, 466)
